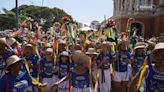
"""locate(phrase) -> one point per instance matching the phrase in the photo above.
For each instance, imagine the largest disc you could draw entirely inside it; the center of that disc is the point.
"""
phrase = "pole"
(16, 1)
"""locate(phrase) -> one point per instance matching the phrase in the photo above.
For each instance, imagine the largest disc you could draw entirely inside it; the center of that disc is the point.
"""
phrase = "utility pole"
(16, 1)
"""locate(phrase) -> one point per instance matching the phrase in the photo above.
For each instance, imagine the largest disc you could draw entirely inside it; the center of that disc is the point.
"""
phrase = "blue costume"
(121, 65)
(80, 80)
(9, 83)
(47, 71)
(154, 80)
(138, 62)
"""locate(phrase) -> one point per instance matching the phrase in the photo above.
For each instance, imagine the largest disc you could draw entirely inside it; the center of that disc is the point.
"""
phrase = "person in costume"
(13, 43)
(32, 59)
(10, 81)
(93, 55)
(62, 46)
(64, 66)
(153, 73)
(106, 57)
(47, 67)
(138, 57)
(122, 68)
(79, 76)
(5, 49)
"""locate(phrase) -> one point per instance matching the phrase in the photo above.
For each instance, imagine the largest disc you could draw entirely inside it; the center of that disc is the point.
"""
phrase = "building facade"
(148, 16)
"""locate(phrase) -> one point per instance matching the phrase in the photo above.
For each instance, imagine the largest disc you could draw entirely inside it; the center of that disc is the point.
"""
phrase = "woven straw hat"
(80, 57)
(159, 46)
(12, 60)
(49, 50)
(11, 41)
(91, 51)
(140, 45)
(64, 53)
(3, 41)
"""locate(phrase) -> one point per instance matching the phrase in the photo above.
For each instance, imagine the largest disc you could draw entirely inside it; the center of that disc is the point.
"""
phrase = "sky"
(83, 11)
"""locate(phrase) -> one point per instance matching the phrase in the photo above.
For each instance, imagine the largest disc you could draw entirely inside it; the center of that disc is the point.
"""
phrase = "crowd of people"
(60, 60)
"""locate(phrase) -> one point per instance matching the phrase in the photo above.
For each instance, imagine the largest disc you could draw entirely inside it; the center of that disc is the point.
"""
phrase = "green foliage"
(51, 15)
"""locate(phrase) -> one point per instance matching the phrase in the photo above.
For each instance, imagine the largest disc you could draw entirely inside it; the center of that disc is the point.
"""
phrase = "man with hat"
(31, 58)
(152, 73)
(104, 62)
(79, 75)
(4, 51)
(47, 68)
(8, 83)
(138, 57)
(13, 43)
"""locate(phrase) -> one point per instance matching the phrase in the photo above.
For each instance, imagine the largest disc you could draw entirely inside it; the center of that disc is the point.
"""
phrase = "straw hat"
(29, 46)
(48, 45)
(64, 53)
(49, 50)
(11, 41)
(62, 42)
(140, 45)
(3, 41)
(91, 51)
(106, 44)
(159, 46)
(80, 57)
(152, 41)
(12, 60)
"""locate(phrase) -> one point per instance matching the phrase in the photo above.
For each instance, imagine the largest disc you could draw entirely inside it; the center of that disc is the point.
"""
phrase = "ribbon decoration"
(90, 73)
(34, 81)
(142, 73)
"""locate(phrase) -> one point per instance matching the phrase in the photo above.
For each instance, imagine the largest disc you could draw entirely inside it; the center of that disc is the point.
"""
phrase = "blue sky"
(81, 10)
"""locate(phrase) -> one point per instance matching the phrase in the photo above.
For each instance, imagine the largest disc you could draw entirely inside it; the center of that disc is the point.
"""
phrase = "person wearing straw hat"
(153, 73)
(31, 58)
(47, 67)
(5, 49)
(62, 45)
(79, 75)
(151, 44)
(10, 81)
(106, 56)
(122, 67)
(138, 57)
(64, 66)
(93, 55)
(13, 43)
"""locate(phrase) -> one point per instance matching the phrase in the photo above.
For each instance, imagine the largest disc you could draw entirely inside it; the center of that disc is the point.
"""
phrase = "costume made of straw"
(81, 82)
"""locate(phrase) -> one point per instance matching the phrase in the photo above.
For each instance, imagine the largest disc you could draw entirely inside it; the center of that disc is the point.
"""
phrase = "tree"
(37, 13)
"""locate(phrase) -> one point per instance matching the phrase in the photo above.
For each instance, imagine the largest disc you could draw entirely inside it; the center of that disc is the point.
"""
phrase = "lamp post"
(16, 1)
